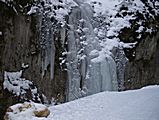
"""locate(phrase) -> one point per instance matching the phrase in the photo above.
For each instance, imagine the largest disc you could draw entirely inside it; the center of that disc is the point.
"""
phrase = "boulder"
(30, 110)
(42, 113)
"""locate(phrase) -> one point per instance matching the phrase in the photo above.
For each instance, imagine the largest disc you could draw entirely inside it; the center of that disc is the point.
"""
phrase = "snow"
(24, 66)
(3, 0)
(19, 86)
(15, 84)
(139, 36)
(157, 3)
(94, 53)
(109, 9)
(130, 105)
(128, 45)
(106, 6)
(60, 13)
(33, 9)
(139, 104)
(141, 28)
(149, 30)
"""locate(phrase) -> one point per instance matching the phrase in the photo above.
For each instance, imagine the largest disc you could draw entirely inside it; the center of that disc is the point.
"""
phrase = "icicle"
(52, 61)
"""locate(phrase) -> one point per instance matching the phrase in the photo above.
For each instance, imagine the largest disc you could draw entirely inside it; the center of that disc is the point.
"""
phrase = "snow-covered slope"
(139, 104)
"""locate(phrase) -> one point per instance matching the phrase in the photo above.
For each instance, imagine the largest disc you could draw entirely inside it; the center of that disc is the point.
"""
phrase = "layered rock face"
(142, 66)
(143, 69)
(20, 42)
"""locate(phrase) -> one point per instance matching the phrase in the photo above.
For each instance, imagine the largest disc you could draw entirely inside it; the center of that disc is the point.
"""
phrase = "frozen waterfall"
(89, 71)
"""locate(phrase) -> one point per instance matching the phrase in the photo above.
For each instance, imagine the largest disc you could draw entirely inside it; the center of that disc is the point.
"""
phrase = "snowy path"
(140, 104)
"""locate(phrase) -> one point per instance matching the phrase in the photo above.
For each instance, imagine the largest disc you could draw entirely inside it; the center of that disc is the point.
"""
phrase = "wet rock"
(42, 113)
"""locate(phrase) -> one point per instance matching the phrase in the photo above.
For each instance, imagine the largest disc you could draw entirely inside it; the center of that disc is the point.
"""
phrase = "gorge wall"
(143, 69)
(69, 59)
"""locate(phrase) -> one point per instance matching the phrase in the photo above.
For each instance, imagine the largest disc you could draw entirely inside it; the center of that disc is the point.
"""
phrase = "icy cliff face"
(103, 61)
(73, 54)
(89, 69)
(75, 48)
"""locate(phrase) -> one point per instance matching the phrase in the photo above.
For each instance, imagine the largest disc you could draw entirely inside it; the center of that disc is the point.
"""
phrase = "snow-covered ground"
(142, 104)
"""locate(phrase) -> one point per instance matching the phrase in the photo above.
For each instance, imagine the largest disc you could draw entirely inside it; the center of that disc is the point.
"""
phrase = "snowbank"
(139, 104)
